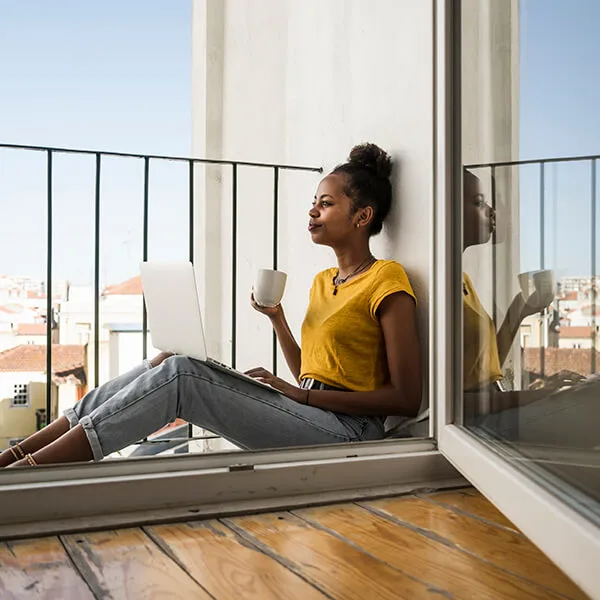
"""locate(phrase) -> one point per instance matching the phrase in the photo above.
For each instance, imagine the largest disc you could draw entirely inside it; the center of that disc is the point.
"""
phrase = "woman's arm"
(510, 327)
(518, 310)
(289, 346)
(285, 337)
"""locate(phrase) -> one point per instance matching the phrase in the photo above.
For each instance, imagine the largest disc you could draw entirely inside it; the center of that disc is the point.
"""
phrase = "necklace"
(337, 280)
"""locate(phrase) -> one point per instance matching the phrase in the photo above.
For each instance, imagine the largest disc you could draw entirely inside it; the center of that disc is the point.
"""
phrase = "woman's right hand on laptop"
(270, 311)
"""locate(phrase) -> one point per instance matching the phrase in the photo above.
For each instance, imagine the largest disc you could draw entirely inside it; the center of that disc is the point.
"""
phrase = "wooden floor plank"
(462, 575)
(128, 564)
(227, 567)
(504, 548)
(475, 504)
(340, 570)
(39, 568)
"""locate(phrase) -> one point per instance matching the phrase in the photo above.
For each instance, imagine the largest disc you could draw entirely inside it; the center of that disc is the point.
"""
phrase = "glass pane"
(530, 131)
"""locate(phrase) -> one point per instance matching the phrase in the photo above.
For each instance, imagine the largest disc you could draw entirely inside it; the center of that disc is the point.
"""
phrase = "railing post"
(97, 272)
(49, 290)
(494, 252)
(234, 265)
(191, 210)
(543, 261)
(145, 254)
(593, 265)
(275, 248)
(191, 243)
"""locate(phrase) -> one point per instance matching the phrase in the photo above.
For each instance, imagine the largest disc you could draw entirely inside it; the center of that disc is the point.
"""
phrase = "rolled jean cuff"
(92, 436)
(71, 417)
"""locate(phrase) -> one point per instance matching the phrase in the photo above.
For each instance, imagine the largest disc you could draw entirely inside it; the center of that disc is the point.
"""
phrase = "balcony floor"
(451, 544)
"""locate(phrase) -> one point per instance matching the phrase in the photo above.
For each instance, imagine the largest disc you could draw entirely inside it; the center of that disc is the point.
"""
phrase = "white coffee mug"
(541, 281)
(269, 286)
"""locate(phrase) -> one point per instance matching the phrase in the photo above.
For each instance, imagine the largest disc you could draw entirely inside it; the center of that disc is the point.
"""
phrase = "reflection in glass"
(531, 360)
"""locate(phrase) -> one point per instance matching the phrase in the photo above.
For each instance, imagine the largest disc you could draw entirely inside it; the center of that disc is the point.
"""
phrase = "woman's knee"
(183, 364)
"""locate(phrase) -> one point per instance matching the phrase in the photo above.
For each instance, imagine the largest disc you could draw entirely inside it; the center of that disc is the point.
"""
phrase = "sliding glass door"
(517, 209)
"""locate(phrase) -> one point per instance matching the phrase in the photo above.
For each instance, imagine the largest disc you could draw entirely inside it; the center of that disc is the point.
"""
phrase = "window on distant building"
(20, 395)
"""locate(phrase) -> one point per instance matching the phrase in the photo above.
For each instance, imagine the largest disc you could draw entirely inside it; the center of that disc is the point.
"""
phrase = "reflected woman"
(548, 416)
(358, 361)
(486, 349)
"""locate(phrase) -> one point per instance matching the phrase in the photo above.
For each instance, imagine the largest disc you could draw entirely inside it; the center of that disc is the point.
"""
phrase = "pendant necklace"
(337, 280)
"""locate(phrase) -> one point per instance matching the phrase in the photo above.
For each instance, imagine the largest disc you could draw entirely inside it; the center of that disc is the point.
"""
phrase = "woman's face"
(331, 220)
(479, 217)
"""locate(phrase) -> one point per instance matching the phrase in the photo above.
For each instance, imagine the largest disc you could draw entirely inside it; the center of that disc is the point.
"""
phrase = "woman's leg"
(251, 416)
(86, 405)
(37, 440)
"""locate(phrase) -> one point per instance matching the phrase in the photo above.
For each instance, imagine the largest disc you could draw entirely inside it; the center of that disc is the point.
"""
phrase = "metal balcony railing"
(491, 171)
(148, 160)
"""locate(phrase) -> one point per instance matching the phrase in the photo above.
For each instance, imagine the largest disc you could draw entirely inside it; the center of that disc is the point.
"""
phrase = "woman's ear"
(365, 216)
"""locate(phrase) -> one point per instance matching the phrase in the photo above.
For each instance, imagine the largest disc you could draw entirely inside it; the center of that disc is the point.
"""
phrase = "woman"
(359, 359)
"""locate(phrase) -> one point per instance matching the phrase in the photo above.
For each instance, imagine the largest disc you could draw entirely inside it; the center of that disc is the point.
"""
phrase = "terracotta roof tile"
(32, 358)
(569, 296)
(575, 332)
(31, 329)
(131, 287)
(577, 360)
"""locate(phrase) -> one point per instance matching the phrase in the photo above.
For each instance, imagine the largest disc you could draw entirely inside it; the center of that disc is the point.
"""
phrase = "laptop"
(174, 316)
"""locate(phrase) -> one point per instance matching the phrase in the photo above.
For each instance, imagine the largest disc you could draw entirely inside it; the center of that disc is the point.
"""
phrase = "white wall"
(301, 83)
(490, 133)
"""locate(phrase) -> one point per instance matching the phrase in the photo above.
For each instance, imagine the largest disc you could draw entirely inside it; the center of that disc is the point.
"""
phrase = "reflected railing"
(173, 441)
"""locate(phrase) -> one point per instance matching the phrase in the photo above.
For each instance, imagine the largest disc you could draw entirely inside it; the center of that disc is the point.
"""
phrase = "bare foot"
(159, 358)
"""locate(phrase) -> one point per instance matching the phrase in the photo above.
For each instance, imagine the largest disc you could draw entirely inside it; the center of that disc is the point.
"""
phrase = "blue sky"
(110, 75)
(559, 116)
(115, 75)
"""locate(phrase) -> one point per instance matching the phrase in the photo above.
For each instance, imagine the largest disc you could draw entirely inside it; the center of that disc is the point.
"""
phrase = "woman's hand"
(159, 358)
(287, 389)
(270, 311)
(537, 302)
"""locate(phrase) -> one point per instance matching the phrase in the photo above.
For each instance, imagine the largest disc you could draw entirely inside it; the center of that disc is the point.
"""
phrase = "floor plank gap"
(265, 549)
(166, 549)
(339, 536)
(77, 569)
(436, 537)
(87, 574)
(466, 513)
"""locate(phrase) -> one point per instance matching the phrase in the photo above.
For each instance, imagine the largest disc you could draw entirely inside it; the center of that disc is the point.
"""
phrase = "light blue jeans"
(138, 403)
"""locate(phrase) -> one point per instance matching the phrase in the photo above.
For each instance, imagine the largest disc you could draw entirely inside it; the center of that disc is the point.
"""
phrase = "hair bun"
(373, 158)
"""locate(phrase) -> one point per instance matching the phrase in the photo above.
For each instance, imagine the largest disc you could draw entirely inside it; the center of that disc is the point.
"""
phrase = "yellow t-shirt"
(342, 340)
(481, 363)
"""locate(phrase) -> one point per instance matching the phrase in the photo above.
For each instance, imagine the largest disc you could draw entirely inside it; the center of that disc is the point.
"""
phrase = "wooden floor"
(441, 545)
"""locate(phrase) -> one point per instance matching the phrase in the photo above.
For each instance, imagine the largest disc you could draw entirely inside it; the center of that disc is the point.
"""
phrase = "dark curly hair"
(367, 181)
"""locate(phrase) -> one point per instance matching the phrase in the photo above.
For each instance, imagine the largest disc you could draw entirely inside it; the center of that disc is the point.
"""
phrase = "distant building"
(23, 387)
(575, 337)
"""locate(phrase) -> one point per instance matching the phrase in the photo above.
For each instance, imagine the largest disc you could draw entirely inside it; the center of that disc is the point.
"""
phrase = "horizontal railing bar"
(532, 161)
(211, 161)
